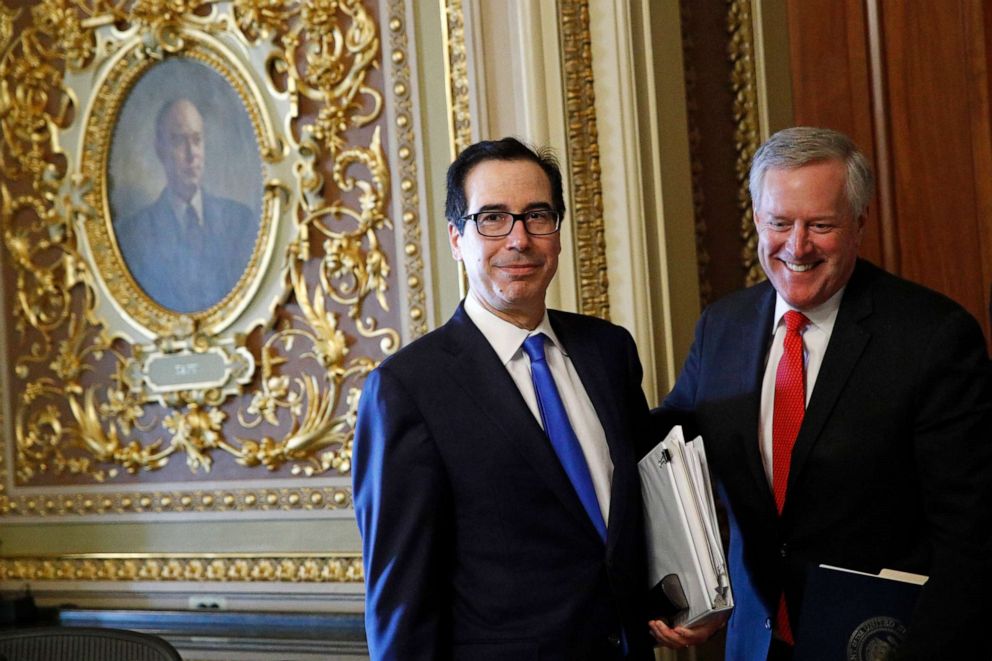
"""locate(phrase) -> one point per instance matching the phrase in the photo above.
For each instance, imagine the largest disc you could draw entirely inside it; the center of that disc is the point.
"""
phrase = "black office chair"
(82, 644)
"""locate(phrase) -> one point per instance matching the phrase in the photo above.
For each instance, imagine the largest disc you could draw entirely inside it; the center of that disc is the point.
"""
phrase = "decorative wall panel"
(583, 158)
(191, 386)
(456, 74)
(113, 567)
(909, 82)
(747, 136)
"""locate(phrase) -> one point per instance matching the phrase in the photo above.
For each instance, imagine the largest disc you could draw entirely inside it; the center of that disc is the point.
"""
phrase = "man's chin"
(802, 298)
(799, 290)
(522, 292)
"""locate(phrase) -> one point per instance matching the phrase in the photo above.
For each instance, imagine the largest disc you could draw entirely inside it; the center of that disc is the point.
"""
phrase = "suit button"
(768, 623)
(783, 550)
(614, 640)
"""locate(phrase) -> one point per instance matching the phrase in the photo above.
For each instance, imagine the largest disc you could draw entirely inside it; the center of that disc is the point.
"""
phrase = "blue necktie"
(560, 432)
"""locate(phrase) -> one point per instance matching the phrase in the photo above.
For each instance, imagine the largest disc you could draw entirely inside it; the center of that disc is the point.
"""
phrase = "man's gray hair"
(802, 145)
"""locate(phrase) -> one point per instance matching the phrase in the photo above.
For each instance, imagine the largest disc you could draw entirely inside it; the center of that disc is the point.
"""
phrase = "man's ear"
(454, 239)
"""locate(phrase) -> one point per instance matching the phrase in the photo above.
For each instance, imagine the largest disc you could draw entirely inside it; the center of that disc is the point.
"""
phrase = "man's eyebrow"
(493, 207)
(814, 219)
(498, 206)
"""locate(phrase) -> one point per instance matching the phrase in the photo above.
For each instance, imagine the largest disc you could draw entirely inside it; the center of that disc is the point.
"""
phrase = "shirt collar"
(505, 338)
(822, 316)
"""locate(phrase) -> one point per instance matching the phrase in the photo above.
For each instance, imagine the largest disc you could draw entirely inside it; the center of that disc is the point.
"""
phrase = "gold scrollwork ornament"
(64, 78)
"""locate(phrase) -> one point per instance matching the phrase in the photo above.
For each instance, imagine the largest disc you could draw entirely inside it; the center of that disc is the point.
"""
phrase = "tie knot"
(534, 347)
(795, 321)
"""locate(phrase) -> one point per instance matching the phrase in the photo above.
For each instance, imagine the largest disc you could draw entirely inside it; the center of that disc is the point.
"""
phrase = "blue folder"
(853, 616)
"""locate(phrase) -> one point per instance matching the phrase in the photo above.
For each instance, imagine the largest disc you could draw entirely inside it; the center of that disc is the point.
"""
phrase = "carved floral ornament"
(107, 379)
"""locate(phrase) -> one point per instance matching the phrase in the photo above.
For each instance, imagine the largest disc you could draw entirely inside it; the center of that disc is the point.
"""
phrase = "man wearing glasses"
(494, 460)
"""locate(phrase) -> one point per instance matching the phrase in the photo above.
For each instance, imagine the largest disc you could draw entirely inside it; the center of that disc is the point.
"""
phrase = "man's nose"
(518, 237)
(189, 150)
(799, 239)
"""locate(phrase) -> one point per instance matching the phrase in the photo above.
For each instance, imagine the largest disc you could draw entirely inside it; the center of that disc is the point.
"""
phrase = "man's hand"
(679, 637)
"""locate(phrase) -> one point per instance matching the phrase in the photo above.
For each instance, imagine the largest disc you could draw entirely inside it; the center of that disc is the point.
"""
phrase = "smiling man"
(846, 414)
(495, 479)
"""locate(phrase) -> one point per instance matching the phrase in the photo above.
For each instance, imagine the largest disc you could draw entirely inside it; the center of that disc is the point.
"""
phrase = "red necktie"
(787, 416)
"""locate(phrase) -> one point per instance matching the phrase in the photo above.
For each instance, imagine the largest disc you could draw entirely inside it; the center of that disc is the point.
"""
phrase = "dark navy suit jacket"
(475, 544)
(892, 466)
(188, 271)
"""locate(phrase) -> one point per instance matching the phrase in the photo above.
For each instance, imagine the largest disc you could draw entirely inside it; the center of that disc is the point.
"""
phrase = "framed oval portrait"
(182, 207)
(185, 186)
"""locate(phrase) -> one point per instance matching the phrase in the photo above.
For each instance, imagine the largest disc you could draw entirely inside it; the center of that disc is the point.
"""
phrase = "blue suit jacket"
(892, 466)
(475, 543)
(188, 271)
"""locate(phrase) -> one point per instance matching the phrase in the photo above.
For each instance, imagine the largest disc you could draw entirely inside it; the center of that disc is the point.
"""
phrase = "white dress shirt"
(816, 336)
(507, 341)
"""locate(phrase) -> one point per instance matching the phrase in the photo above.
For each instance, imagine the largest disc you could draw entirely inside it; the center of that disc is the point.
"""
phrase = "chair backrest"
(82, 644)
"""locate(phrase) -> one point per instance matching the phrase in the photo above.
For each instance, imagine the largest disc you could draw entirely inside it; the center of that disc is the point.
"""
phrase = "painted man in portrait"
(188, 249)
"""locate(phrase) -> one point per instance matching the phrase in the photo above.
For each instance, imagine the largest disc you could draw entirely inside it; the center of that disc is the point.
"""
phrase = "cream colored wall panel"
(623, 204)
(515, 51)
(647, 188)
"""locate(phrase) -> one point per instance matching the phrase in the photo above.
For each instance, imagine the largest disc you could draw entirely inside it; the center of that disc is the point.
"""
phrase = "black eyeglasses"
(493, 224)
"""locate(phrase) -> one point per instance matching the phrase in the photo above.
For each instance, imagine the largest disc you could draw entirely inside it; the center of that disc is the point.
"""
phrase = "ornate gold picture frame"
(150, 279)
(254, 387)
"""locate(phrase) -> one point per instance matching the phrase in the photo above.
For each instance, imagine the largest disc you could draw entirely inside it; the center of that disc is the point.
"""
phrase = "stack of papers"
(687, 569)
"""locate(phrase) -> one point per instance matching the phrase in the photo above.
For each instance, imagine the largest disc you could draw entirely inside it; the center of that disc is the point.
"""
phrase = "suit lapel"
(847, 342)
(583, 352)
(480, 374)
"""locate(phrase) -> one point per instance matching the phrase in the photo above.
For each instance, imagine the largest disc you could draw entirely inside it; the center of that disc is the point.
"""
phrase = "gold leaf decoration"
(746, 127)
(288, 568)
(85, 408)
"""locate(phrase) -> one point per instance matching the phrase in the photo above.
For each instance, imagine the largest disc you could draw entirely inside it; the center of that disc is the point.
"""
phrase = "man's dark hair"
(507, 149)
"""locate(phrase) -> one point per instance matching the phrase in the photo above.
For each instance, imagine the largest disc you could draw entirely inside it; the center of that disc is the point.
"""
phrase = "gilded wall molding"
(456, 93)
(696, 161)
(403, 124)
(186, 567)
(175, 501)
(456, 74)
(747, 126)
(583, 158)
